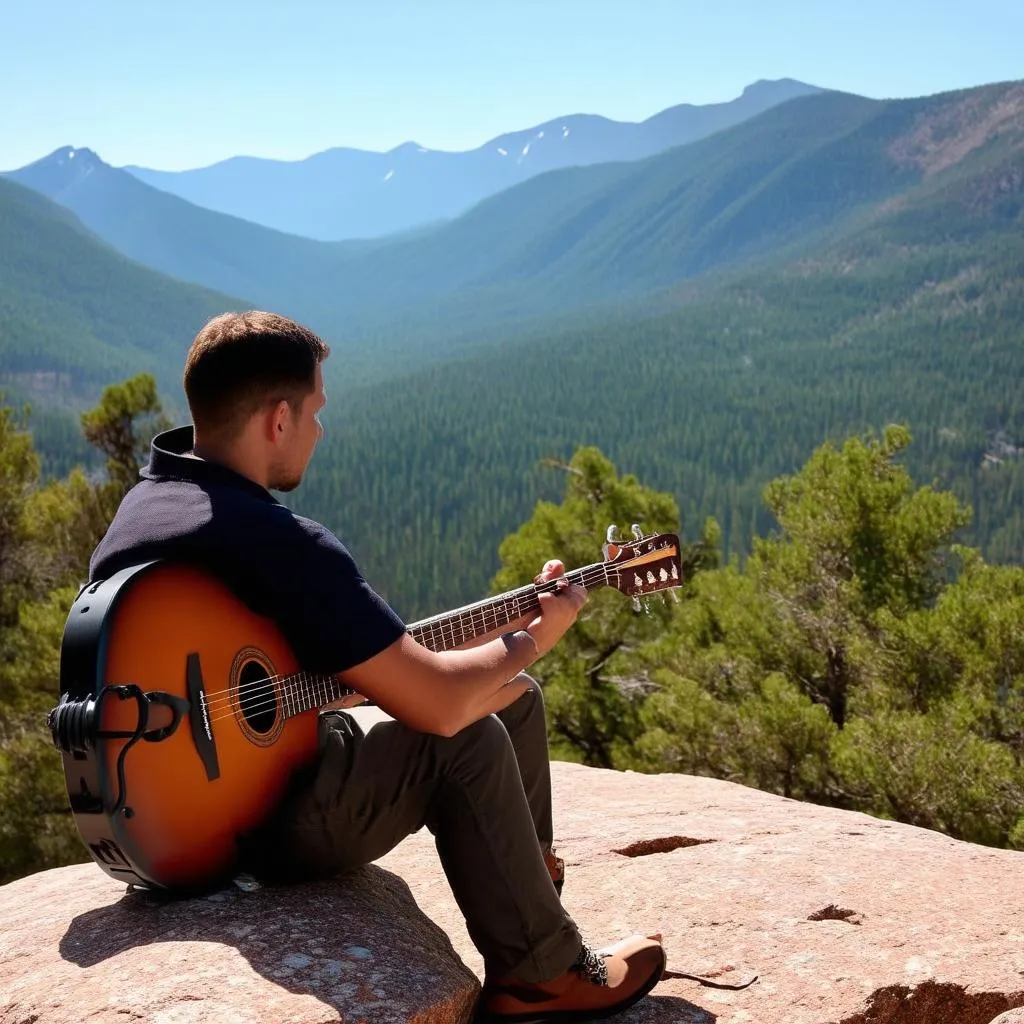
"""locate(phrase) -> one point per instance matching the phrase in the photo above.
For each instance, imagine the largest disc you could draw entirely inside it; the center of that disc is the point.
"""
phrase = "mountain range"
(577, 241)
(706, 315)
(909, 310)
(351, 193)
(786, 181)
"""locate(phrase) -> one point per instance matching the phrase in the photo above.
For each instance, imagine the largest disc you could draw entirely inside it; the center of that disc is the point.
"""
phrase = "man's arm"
(443, 692)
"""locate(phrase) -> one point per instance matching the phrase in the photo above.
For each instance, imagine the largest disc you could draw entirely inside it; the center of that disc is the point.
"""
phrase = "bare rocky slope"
(823, 916)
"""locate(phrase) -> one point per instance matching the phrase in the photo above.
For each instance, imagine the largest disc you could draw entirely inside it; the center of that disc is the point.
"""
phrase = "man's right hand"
(558, 609)
(443, 692)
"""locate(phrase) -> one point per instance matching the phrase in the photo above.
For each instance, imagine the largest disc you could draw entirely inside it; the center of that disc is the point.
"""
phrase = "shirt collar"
(170, 456)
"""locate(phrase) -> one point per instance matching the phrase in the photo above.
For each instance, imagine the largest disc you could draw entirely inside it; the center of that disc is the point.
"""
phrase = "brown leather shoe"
(556, 868)
(601, 983)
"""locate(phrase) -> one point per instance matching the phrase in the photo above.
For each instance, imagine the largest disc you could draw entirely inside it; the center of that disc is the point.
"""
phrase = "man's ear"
(280, 416)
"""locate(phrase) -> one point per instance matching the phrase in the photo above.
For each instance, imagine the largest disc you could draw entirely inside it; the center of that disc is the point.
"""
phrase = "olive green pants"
(484, 793)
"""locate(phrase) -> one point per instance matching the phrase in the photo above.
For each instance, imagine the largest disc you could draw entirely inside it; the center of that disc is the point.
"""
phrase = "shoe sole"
(575, 1016)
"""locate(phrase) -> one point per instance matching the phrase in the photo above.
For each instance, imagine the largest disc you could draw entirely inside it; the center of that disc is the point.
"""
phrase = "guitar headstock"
(643, 565)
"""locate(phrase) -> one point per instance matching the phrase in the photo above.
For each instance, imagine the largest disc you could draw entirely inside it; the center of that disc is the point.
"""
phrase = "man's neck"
(232, 459)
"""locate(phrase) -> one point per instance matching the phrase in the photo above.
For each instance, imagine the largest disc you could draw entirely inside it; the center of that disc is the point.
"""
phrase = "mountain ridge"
(573, 239)
(344, 192)
(59, 282)
(834, 264)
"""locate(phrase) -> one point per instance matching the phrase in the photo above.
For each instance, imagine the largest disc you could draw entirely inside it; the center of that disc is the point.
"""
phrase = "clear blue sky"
(183, 83)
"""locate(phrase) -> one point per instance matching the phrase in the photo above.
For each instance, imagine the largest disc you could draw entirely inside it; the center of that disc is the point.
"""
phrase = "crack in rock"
(834, 913)
(645, 847)
(932, 1002)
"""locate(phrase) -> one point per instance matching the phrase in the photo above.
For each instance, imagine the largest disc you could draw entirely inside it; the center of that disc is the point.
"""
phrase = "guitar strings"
(220, 702)
(269, 694)
(216, 700)
(270, 697)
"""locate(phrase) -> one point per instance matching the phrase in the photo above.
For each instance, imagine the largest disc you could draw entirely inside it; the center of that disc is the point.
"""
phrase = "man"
(466, 751)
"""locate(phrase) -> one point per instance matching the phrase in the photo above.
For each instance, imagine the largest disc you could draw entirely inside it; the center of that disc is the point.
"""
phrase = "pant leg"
(528, 729)
(372, 790)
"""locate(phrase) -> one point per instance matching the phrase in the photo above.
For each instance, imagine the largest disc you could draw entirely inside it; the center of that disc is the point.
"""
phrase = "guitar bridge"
(199, 717)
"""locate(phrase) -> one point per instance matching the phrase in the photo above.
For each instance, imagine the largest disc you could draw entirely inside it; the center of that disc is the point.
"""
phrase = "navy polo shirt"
(291, 569)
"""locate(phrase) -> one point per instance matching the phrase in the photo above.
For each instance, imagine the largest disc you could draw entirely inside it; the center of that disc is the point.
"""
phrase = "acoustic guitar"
(183, 715)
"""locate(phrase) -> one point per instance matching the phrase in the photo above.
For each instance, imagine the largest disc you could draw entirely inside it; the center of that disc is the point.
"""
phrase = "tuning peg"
(636, 605)
(647, 607)
(638, 534)
(612, 535)
(675, 595)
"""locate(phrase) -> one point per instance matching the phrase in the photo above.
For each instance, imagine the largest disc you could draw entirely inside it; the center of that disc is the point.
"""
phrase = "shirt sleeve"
(333, 618)
(296, 572)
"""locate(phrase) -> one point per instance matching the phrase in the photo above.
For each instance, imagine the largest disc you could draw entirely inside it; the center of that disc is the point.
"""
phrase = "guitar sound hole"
(257, 697)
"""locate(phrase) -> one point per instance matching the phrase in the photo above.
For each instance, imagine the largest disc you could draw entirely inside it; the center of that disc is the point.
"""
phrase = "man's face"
(301, 434)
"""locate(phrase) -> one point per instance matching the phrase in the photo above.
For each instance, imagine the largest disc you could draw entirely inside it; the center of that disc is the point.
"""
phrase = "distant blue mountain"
(350, 193)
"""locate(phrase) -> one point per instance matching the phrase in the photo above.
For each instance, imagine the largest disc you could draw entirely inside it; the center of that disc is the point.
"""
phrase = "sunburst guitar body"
(184, 715)
(204, 706)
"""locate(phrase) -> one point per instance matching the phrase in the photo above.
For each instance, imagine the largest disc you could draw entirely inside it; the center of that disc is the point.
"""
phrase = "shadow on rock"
(345, 940)
(657, 1009)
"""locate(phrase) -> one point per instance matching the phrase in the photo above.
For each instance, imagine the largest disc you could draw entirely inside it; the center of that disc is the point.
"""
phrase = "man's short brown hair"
(240, 363)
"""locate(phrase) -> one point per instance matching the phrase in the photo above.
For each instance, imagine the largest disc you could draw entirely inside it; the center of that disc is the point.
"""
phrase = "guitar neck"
(452, 629)
(305, 690)
(636, 568)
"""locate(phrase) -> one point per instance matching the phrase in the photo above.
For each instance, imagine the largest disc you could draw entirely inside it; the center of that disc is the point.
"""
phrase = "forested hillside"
(858, 660)
(899, 299)
(905, 322)
(788, 183)
(75, 313)
(911, 314)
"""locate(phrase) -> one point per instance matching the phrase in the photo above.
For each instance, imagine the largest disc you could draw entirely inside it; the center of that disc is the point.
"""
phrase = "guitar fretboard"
(304, 690)
(452, 629)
